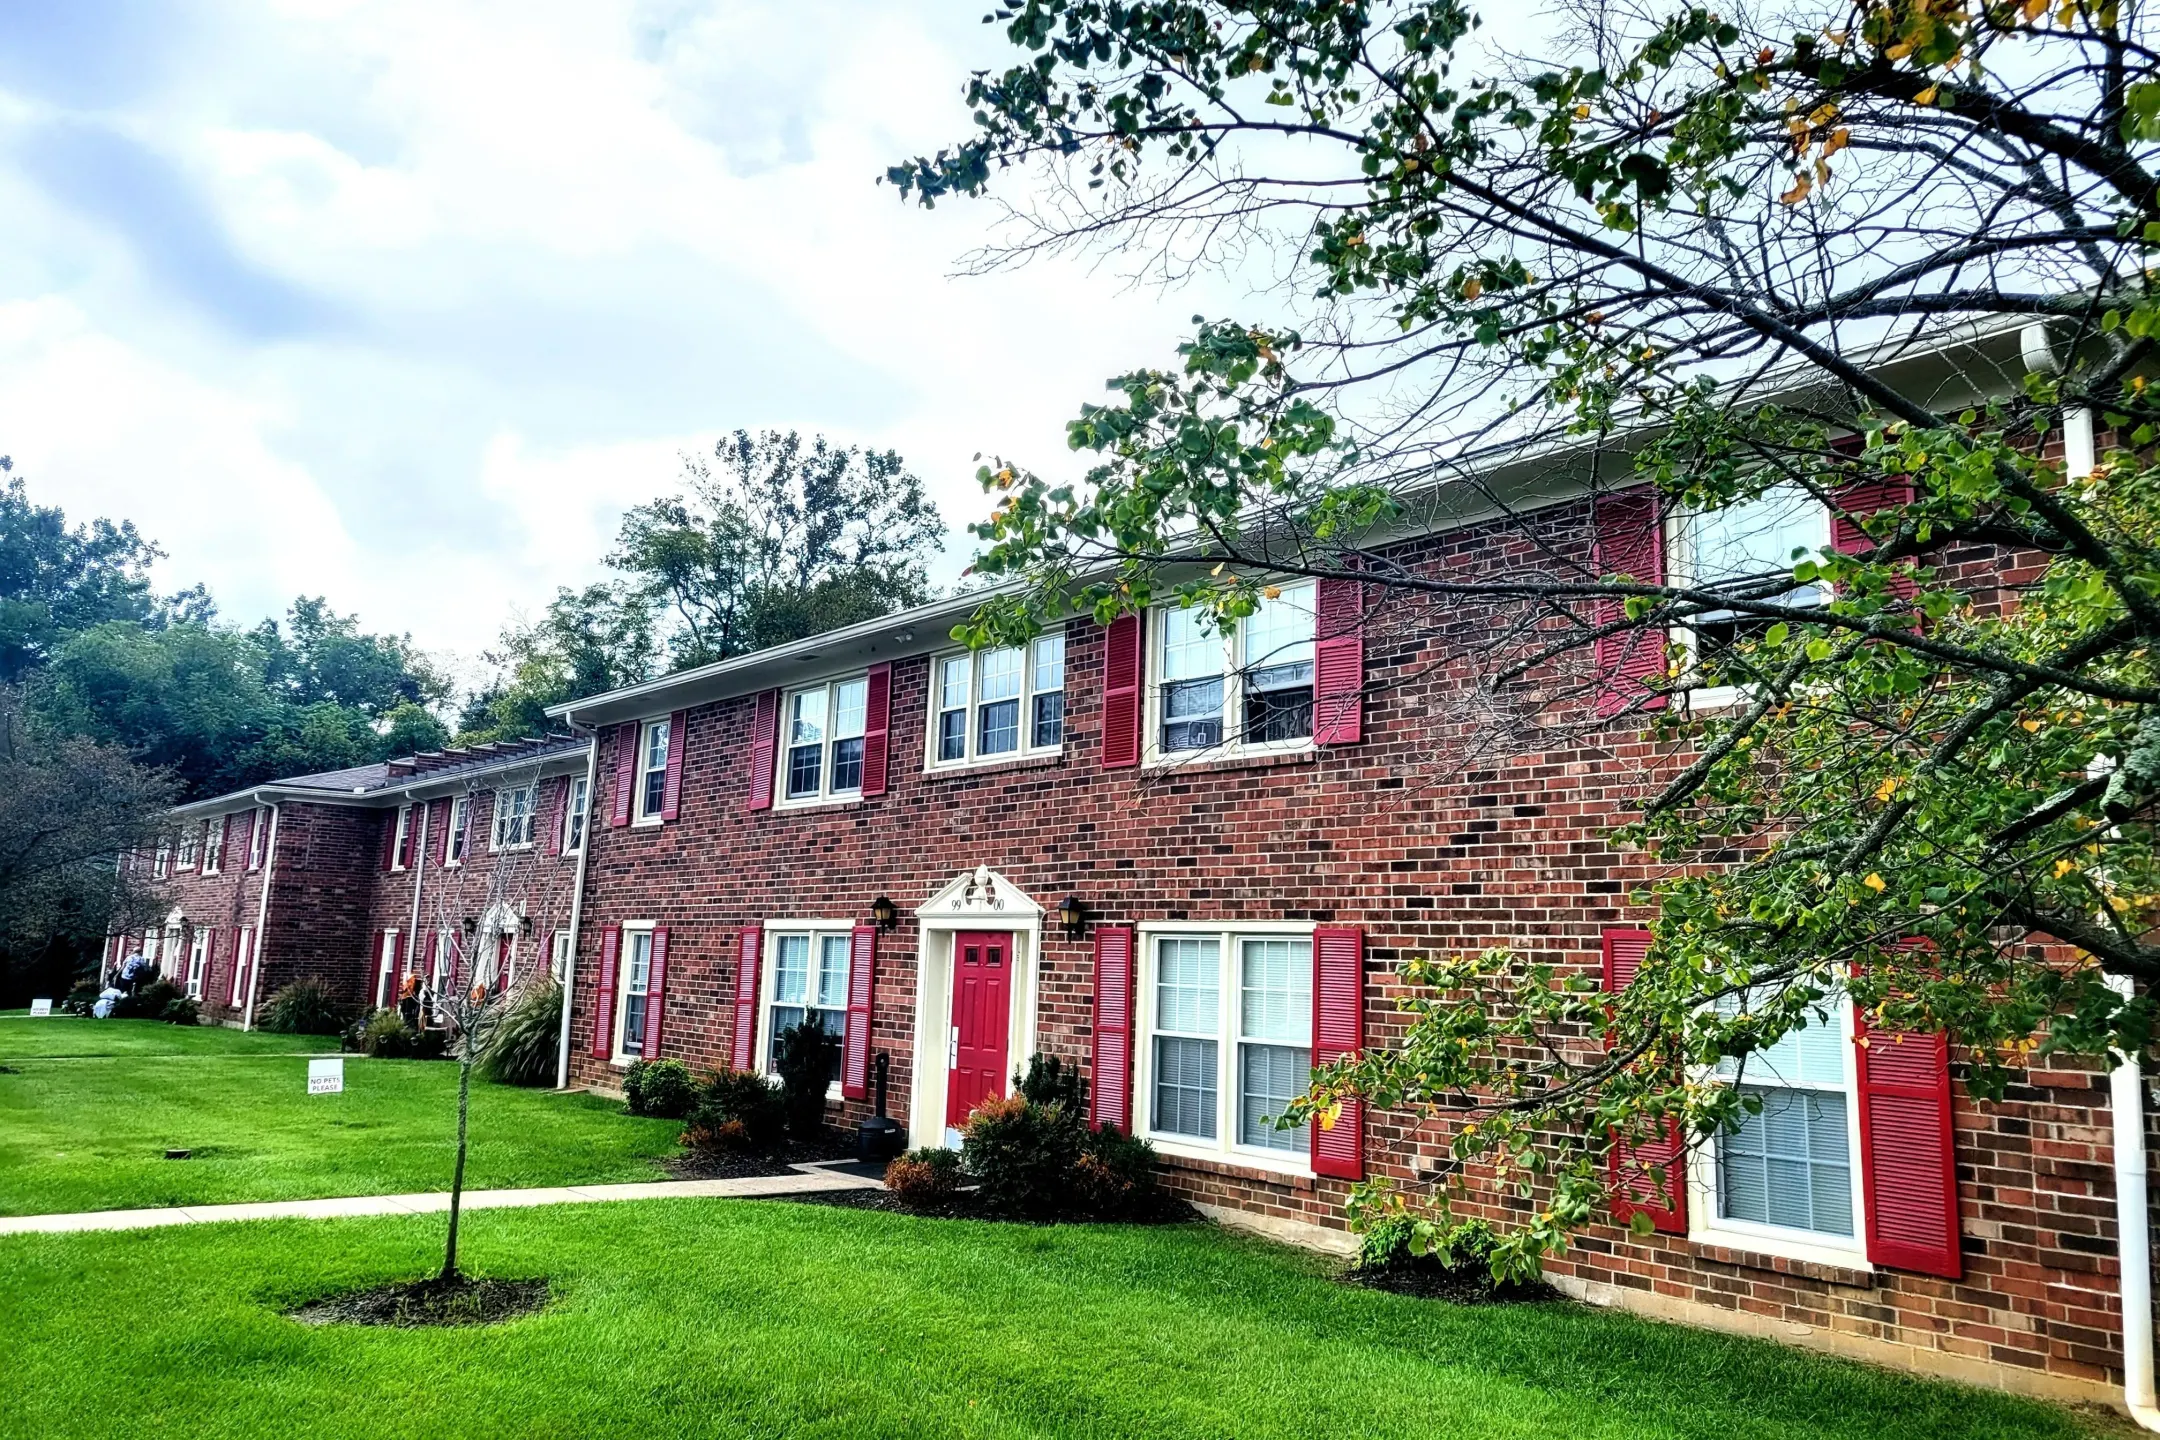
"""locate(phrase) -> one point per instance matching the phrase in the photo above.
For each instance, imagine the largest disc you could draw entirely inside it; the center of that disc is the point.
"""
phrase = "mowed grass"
(745, 1318)
(88, 1109)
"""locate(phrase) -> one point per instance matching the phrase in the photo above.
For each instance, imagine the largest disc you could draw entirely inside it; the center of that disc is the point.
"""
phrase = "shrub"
(180, 1010)
(527, 1043)
(803, 1054)
(305, 1007)
(386, 1036)
(1022, 1156)
(661, 1088)
(1114, 1178)
(924, 1179)
(1050, 1081)
(148, 1002)
(81, 1000)
(740, 1111)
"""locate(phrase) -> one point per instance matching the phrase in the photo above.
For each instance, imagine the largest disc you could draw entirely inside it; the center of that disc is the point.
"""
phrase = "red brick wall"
(224, 901)
(321, 893)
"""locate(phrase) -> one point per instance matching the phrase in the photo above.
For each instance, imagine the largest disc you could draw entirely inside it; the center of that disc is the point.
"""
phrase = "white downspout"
(577, 908)
(262, 920)
(2133, 1231)
(419, 878)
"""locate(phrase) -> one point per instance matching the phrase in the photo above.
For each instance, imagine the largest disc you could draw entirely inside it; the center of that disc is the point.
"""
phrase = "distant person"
(409, 999)
(131, 971)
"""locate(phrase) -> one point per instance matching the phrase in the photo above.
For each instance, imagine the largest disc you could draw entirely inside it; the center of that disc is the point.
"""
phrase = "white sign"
(326, 1077)
(39, 1009)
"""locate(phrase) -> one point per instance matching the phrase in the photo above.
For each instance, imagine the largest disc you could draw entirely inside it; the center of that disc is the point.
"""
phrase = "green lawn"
(743, 1318)
(91, 1106)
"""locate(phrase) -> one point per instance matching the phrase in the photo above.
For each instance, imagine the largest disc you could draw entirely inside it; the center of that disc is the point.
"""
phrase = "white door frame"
(978, 899)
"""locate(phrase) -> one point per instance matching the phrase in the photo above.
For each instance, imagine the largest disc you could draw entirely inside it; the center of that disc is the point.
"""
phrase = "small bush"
(740, 1112)
(149, 1002)
(1022, 1156)
(81, 1000)
(1114, 1177)
(1050, 1081)
(386, 1036)
(180, 1010)
(803, 1054)
(924, 1179)
(305, 1007)
(661, 1088)
(527, 1043)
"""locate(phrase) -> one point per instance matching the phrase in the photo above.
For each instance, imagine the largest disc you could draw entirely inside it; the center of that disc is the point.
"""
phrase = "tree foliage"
(587, 641)
(56, 579)
(1701, 246)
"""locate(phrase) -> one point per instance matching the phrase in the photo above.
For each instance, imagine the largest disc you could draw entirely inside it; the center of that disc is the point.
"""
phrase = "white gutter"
(577, 910)
(262, 923)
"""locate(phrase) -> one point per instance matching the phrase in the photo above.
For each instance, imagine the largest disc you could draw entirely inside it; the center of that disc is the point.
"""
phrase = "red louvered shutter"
(551, 814)
(877, 729)
(247, 856)
(862, 995)
(678, 736)
(655, 992)
(1628, 539)
(1635, 1171)
(751, 945)
(1122, 669)
(1339, 662)
(626, 763)
(603, 1020)
(225, 849)
(1338, 1029)
(1110, 1088)
(1855, 502)
(764, 752)
(1908, 1158)
(389, 839)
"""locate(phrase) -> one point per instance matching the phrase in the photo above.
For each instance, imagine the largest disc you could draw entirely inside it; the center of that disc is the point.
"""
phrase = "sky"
(403, 302)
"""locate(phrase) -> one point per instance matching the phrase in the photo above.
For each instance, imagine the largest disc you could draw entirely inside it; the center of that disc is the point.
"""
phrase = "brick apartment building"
(1191, 864)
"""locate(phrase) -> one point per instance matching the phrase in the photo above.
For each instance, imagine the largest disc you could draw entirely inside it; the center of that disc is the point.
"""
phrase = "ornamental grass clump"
(527, 1042)
(305, 1007)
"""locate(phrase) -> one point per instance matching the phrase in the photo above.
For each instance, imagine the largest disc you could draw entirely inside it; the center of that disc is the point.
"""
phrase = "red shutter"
(1110, 1090)
(877, 729)
(1907, 1157)
(626, 763)
(224, 858)
(862, 994)
(1634, 1171)
(751, 946)
(1338, 1029)
(655, 992)
(1628, 539)
(764, 753)
(678, 736)
(247, 861)
(389, 839)
(1857, 501)
(1122, 670)
(604, 1003)
(1339, 662)
(551, 813)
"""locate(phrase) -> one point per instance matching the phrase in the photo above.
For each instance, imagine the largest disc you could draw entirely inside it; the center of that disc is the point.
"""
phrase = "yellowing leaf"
(1839, 139)
(1822, 115)
(1329, 1116)
(1874, 882)
(1472, 288)
(1273, 592)
(2064, 867)
(2034, 9)
(1898, 51)
(1801, 185)
(2032, 727)
(1925, 97)
(1888, 787)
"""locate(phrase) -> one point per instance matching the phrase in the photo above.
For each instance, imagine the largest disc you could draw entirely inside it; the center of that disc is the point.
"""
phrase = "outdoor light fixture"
(470, 924)
(1073, 916)
(525, 925)
(883, 912)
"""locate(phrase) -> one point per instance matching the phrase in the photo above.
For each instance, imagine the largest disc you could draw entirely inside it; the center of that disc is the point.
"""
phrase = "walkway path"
(808, 1179)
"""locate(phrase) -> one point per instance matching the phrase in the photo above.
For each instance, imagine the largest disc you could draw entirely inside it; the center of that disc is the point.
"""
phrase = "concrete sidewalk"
(808, 1180)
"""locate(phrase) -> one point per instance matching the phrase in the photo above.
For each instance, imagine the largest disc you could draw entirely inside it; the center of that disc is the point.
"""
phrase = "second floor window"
(1250, 687)
(574, 815)
(998, 703)
(258, 838)
(163, 863)
(514, 818)
(213, 846)
(652, 769)
(189, 838)
(401, 850)
(460, 822)
(822, 729)
(1748, 544)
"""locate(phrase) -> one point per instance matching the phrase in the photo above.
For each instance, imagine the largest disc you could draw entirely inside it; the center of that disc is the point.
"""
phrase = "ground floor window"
(243, 958)
(1789, 1167)
(636, 989)
(1229, 1039)
(809, 982)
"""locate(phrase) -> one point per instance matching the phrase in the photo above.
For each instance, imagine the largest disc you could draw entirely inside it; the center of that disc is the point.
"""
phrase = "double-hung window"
(460, 822)
(636, 988)
(401, 846)
(1229, 1042)
(213, 847)
(514, 818)
(822, 740)
(1251, 688)
(573, 839)
(162, 865)
(189, 839)
(198, 964)
(259, 838)
(809, 983)
(1751, 543)
(1788, 1171)
(997, 704)
(559, 957)
(243, 957)
(652, 768)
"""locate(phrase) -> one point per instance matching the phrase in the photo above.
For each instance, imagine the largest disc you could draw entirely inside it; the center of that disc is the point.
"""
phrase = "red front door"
(981, 1017)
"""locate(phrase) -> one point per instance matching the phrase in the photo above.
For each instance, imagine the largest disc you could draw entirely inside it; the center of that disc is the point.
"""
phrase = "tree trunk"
(457, 1175)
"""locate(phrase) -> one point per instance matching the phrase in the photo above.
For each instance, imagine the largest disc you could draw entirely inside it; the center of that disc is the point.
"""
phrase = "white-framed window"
(806, 979)
(243, 960)
(259, 837)
(460, 825)
(574, 811)
(1789, 1179)
(821, 740)
(998, 704)
(198, 962)
(559, 957)
(162, 865)
(1751, 540)
(653, 741)
(1226, 1016)
(513, 818)
(401, 845)
(190, 840)
(1248, 690)
(213, 848)
(634, 981)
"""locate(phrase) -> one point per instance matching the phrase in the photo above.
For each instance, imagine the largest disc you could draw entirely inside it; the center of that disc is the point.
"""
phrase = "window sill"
(1234, 760)
(836, 802)
(1717, 697)
(962, 769)
(1778, 1255)
(1213, 1163)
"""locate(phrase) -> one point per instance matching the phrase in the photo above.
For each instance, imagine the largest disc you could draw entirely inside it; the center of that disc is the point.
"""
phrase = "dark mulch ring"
(730, 1165)
(406, 1303)
(1428, 1279)
(967, 1205)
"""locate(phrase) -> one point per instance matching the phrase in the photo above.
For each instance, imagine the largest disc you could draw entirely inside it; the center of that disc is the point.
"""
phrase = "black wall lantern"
(1073, 916)
(883, 913)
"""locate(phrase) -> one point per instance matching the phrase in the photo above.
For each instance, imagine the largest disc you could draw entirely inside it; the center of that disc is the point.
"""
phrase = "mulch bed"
(409, 1303)
(965, 1205)
(723, 1165)
(1428, 1279)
